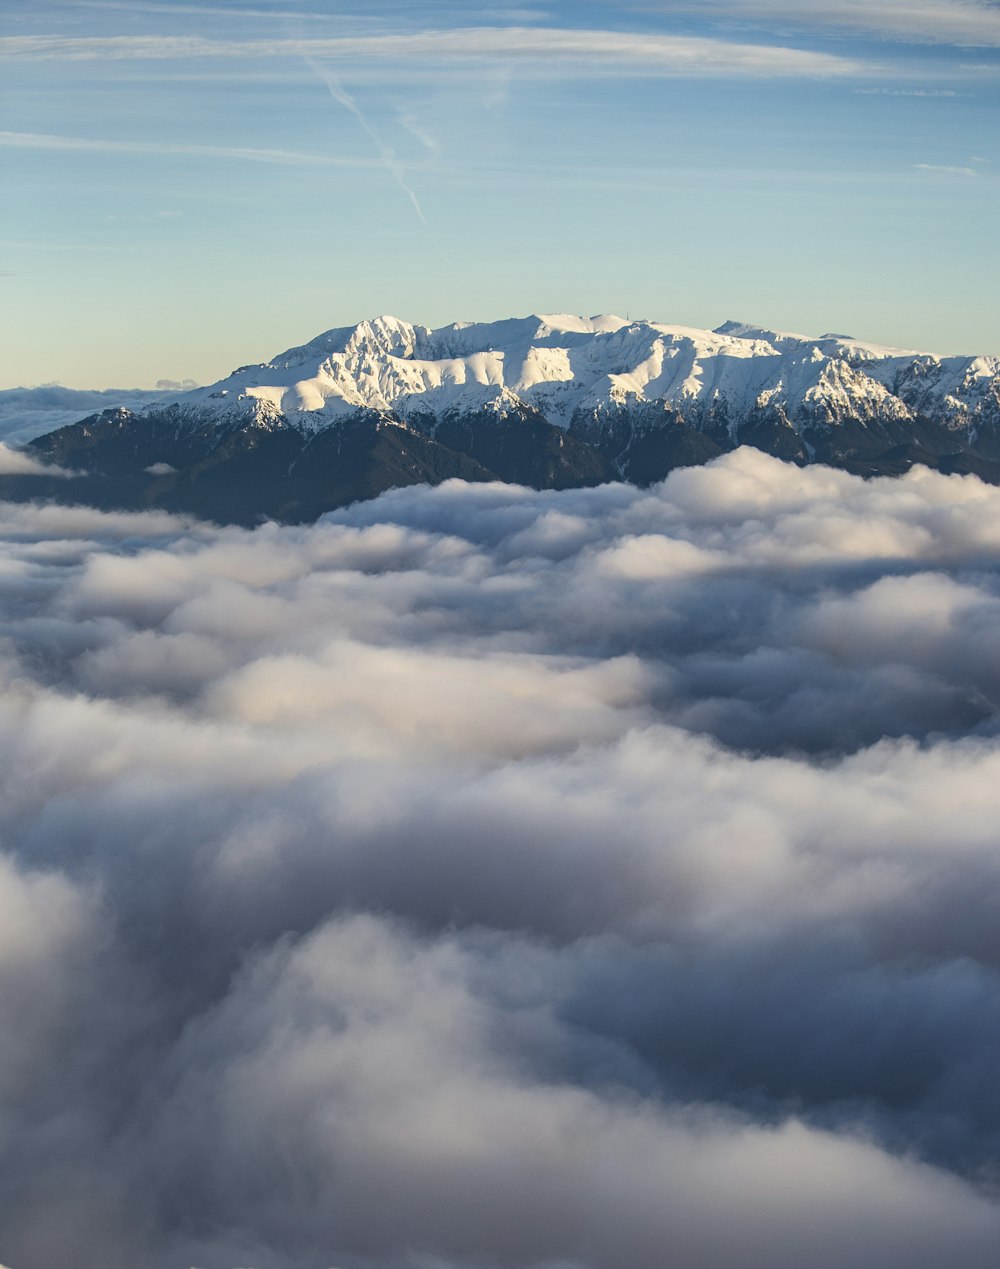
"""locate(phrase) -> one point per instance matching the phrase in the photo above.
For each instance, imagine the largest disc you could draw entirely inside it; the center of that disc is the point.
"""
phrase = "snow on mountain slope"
(569, 367)
(551, 401)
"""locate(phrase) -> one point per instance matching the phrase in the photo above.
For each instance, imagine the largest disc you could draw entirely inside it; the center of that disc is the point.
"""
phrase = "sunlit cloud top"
(639, 844)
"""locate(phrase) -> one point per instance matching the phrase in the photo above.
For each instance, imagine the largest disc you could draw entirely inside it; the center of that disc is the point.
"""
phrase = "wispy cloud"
(947, 168)
(48, 141)
(611, 50)
(416, 129)
(960, 23)
(117, 248)
(201, 10)
(497, 13)
(908, 92)
(389, 161)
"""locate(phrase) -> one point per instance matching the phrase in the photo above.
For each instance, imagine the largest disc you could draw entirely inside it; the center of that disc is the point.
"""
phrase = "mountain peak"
(747, 330)
(385, 335)
(570, 323)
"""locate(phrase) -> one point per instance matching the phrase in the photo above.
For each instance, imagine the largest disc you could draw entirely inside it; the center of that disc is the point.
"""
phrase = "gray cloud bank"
(485, 879)
(29, 412)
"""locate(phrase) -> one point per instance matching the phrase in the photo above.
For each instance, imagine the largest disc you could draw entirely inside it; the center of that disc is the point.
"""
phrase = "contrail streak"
(389, 161)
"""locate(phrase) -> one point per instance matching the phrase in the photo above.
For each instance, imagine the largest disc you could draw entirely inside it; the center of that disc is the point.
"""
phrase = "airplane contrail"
(389, 161)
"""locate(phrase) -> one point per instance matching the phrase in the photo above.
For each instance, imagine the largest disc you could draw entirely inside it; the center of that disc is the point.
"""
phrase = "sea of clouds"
(482, 878)
(29, 412)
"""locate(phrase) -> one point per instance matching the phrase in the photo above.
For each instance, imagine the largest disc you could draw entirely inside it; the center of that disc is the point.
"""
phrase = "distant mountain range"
(552, 401)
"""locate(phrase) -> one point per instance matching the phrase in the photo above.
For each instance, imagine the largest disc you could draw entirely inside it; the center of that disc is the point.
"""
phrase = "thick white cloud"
(490, 877)
(15, 462)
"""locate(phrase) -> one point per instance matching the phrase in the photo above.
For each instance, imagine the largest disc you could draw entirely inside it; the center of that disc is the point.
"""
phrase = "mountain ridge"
(549, 400)
(561, 363)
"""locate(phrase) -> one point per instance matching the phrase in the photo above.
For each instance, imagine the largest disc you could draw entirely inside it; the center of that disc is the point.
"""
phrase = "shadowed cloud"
(486, 877)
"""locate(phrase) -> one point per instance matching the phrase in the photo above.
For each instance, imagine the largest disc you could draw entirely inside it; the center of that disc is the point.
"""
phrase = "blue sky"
(190, 186)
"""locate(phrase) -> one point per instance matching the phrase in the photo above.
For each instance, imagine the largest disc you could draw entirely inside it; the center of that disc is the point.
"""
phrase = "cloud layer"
(958, 23)
(16, 462)
(612, 50)
(29, 412)
(483, 877)
(46, 141)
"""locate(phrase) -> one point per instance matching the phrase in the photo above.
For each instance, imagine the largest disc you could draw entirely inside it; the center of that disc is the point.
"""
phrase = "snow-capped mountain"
(549, 400)
(571, 369)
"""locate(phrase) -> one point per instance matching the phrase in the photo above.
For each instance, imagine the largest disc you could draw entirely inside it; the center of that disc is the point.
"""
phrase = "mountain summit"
(549, 400)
